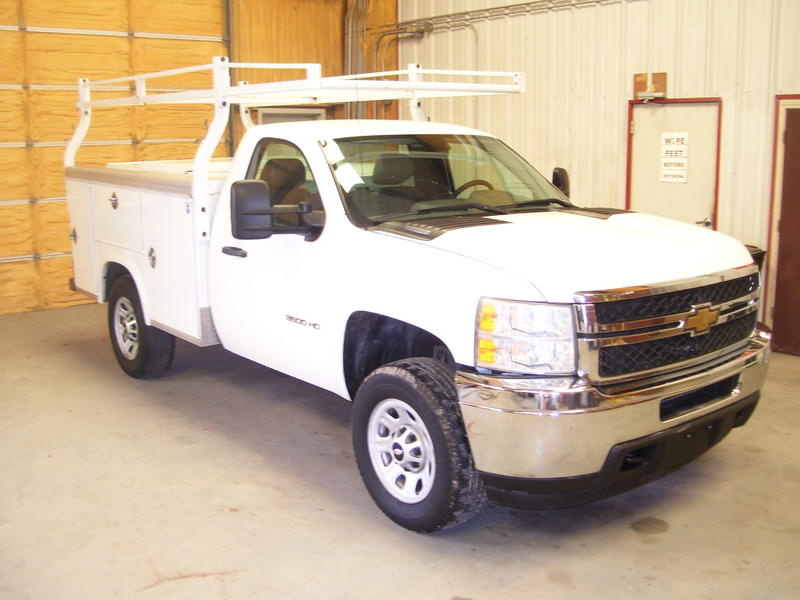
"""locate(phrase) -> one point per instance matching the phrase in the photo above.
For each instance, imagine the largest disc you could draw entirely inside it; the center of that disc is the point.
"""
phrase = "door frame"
(629, 164)
(783, 102)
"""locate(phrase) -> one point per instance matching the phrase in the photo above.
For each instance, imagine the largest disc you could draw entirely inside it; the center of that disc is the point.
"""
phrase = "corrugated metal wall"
(579, 57)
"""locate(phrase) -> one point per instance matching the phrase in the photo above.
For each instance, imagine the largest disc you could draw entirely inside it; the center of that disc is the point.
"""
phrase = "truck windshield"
(398, 177)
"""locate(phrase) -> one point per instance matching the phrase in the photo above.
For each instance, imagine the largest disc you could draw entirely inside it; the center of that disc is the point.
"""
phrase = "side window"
(283, 167)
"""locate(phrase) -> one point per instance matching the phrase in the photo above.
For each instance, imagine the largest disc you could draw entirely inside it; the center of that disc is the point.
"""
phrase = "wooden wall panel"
(27, 174)
(19, 283)
(54, 117)
(175, 150)
(13, 70)
(48, 165)
(48, 172)
(196, 17)
(51, 222)
(380, 12)
(63, 59)
(160, 55)
(54, 275)
(16, 231)
(14, 174)
(29, 285)
(108, 15)
(305, 31)
(289, 31)
(8, 13)
(383, 56)
(172, 121)
(97, 156)
(12, 116)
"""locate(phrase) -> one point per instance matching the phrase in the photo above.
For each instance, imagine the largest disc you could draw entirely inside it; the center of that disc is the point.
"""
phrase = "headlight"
(524, 337)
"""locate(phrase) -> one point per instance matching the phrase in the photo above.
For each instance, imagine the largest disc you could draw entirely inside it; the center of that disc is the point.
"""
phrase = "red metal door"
(786, 324)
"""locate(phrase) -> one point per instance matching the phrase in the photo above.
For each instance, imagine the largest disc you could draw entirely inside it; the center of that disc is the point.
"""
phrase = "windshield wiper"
(540, 202)
(449, 208)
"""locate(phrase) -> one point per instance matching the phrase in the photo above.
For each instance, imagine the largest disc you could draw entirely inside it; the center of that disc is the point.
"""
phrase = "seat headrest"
(392, 169)
(284, 173)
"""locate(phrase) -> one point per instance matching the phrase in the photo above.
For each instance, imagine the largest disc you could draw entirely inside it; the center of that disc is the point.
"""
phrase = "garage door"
(45, 46)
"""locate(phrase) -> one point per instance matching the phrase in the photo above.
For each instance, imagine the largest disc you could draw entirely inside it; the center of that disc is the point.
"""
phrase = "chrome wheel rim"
(401, 451)
(126, 328)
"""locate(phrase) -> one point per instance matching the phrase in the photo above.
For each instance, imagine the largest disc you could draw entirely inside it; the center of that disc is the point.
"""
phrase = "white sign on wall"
(675, 157)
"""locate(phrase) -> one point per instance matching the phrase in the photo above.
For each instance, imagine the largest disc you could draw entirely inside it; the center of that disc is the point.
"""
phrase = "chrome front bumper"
(546, 429)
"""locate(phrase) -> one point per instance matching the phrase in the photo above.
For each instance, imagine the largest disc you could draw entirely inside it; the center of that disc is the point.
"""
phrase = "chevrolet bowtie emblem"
(701, 319)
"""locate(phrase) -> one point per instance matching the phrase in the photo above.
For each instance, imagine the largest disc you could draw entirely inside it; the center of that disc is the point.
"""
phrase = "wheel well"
(113, 271)
(373, 340)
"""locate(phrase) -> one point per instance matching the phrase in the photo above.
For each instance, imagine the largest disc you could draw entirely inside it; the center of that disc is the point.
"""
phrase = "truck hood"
(562, 253)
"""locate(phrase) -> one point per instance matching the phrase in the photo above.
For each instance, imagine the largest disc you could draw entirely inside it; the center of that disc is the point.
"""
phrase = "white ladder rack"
(412, 84)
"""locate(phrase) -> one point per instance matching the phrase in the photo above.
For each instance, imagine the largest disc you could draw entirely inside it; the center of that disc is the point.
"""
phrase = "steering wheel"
(472, 183)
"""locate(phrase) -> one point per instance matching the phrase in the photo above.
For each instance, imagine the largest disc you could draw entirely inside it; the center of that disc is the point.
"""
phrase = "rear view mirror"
(252, 213)
(561, 180)
(757, 253)
(251, 210)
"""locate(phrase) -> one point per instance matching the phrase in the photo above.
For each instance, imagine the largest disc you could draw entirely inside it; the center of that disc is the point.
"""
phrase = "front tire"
(143, 352)
(411, 446)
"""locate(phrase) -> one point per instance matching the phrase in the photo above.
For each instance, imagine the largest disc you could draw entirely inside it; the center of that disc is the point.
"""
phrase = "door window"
(283, 167)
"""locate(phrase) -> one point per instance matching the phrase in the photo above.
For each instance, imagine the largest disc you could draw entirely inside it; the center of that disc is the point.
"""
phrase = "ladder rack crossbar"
(362, 87)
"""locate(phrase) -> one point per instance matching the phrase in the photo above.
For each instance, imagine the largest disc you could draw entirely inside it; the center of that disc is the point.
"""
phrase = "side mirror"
(757, 253)
(561, 180)
(251, 210)
(252, 213)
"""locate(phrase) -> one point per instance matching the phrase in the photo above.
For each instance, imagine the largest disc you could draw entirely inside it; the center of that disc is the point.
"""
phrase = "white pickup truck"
(496, 340)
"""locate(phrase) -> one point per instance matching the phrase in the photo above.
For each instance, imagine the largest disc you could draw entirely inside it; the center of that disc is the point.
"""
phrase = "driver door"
(265, 292)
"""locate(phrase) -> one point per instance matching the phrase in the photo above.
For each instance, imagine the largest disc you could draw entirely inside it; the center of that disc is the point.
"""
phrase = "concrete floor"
(225, 479)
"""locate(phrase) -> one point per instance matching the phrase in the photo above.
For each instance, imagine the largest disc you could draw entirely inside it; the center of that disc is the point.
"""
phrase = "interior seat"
(285, 178)
(390, 172)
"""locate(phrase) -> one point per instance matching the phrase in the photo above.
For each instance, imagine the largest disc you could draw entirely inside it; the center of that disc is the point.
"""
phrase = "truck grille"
(629, 333)
(675, 302)
(621, 360)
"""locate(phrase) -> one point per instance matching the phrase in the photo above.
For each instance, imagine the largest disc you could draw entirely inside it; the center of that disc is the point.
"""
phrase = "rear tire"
(411, 446)
(143, 352)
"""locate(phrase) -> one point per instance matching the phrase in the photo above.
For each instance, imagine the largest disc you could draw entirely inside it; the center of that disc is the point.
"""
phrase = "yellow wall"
(37, 117)
(38, 92)
(304, 31)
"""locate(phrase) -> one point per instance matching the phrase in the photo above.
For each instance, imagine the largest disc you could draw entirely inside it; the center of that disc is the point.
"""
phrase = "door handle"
(707, 222)
(234, 251)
